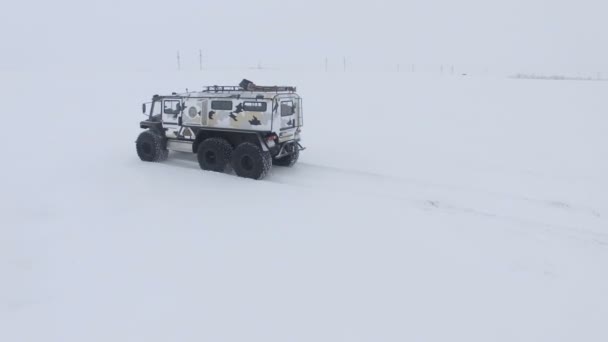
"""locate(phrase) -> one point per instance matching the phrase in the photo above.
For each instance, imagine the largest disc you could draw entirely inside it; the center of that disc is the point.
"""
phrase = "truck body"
(268, 117)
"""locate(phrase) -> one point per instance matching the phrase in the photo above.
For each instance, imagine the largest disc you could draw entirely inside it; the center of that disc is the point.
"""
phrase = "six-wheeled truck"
(247, 128)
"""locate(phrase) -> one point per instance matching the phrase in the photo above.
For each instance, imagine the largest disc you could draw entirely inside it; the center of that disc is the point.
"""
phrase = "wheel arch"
(154, 126)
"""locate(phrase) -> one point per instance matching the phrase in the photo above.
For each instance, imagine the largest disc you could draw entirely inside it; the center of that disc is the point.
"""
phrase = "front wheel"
(249, 161)
(151, 147)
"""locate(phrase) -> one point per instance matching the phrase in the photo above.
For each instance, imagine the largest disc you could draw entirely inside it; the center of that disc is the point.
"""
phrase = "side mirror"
(143, 108)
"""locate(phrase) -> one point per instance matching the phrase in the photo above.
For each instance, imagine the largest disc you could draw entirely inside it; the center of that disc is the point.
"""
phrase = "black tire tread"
(158, 144)
(223, 150)
(262, 161)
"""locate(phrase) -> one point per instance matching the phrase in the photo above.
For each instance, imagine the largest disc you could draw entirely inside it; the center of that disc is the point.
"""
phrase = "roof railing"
(217, 89)
(273, 89)
(247, 85)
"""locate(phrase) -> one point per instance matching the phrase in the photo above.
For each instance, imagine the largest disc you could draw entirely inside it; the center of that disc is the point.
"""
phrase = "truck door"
(171, 116)
(288, 114)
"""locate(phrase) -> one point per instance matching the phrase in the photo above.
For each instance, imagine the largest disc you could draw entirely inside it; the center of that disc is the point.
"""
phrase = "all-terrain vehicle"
(247, 128)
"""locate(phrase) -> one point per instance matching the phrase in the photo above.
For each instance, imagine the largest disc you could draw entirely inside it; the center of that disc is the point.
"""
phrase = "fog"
(427, 206)
(514, 36)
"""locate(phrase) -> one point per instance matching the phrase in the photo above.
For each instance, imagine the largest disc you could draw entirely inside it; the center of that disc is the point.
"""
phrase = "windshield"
(155, 111)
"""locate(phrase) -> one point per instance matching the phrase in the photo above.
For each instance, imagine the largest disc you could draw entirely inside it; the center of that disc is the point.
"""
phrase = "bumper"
(288, 148)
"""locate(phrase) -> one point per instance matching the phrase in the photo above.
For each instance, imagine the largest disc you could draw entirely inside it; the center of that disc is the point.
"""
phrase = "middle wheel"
(249, 161)
(214, 154)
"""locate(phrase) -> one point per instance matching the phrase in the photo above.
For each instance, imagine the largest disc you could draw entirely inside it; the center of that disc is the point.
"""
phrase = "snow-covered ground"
(425, 208)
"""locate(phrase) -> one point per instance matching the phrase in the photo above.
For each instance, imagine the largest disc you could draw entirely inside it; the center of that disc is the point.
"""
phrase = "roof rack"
(218, 89)
(247, 85)
(274, 89)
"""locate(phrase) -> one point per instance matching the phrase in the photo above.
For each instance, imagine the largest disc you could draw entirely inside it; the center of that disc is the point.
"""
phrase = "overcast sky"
(124, 35)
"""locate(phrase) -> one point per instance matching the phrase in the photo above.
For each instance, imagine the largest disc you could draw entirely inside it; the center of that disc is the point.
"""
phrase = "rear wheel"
(249, 161)
(288, 160)
(151, 147)
(214, 154)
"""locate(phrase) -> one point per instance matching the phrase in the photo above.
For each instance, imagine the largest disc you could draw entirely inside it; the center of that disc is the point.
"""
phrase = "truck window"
(221, 105)
(287, 108)
(171, 106)
(254, 106)
(156, 106)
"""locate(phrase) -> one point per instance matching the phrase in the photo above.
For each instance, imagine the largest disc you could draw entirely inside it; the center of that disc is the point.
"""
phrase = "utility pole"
(179, 65)
(200, 59)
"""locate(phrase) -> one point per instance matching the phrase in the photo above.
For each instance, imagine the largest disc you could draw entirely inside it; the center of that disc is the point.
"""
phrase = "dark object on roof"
(250, 86)
(247, 84)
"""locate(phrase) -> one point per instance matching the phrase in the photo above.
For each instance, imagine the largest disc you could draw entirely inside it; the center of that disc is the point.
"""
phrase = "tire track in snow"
(568, 231)
(557, 204)
(369, 184)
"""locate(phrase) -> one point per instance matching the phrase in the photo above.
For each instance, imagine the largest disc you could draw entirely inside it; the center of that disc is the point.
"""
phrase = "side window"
(221, 105)
(287, 108)
(255, 106)
(171, 106)
(156, 106)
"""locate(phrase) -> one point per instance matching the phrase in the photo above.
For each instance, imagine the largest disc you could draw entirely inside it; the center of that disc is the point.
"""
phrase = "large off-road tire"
(214, 154)
(249, 161)
(288, 160)
(151, 147)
